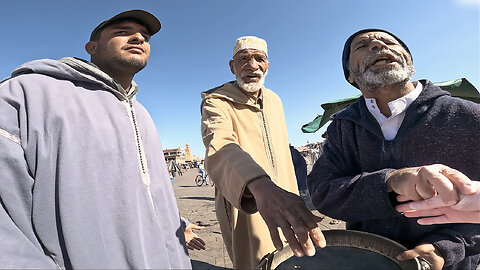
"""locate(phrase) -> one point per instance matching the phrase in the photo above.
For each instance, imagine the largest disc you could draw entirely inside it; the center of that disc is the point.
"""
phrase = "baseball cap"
(151, 22)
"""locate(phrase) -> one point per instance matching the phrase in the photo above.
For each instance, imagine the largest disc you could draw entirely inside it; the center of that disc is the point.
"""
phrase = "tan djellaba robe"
(245, 138)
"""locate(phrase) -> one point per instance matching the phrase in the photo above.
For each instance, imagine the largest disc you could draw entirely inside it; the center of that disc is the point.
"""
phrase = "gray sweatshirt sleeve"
(184, 222)
(20, 247)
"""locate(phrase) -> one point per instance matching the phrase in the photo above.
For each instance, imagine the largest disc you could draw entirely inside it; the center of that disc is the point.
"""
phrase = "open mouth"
(253, 76)
(383, 60)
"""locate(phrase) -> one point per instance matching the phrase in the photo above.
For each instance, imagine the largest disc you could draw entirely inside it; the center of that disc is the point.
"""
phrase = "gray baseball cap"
(148, 19)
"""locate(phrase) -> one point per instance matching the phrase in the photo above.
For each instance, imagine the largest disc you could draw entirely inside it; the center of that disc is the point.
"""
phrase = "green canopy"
(458, 88)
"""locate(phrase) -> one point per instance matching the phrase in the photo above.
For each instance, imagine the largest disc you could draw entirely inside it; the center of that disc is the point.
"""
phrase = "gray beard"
(396, 75)
(253, 86)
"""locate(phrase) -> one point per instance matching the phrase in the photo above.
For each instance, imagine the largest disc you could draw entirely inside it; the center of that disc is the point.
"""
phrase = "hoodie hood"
(231, 92)
(75, 70)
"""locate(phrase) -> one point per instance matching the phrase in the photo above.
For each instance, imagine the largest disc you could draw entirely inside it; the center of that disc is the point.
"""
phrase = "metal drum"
(346, 250)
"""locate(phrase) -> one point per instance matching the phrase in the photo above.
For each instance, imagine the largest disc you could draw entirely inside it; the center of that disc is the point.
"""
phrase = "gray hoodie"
(83, 180)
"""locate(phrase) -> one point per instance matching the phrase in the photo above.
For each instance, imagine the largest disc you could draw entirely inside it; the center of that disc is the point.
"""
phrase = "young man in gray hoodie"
(83, 180)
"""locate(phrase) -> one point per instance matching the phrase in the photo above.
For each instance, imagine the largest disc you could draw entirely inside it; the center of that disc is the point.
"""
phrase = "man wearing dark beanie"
(401, 141)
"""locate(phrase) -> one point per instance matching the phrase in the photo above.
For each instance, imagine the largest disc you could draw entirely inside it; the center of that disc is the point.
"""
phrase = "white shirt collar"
(398, 107)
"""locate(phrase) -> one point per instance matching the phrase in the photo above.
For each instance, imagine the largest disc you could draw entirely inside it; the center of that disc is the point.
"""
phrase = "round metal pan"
(345, 250)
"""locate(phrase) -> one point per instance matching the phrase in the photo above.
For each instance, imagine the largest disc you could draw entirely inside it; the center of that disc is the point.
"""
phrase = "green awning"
(458, 88)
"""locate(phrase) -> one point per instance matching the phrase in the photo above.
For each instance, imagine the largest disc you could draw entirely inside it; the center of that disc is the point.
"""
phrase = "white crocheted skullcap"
(250, 42)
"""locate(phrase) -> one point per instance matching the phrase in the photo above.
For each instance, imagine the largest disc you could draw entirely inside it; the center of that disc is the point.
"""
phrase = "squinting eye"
(359, 47)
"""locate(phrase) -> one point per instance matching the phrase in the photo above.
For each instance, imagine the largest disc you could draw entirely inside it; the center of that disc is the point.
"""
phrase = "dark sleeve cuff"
(247, 202)
(451, 248)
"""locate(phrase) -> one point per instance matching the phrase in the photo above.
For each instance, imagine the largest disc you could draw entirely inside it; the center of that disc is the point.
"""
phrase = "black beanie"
(346, 49)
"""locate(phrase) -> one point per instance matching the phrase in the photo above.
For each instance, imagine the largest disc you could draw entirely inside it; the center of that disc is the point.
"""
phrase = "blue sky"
(305, 39)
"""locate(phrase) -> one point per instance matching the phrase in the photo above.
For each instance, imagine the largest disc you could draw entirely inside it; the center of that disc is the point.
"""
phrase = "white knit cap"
(250, 42)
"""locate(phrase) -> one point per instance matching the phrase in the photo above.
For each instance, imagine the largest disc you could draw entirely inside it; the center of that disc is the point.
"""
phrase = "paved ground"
(197, 204)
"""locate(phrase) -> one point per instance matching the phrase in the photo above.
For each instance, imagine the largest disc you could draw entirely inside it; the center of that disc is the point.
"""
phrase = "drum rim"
(349, 238)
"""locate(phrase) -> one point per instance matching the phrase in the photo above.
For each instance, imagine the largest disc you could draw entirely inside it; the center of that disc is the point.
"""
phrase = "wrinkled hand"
(427, 252)
(419, 183)
(467, 210)
(193, 241)
(280, 208)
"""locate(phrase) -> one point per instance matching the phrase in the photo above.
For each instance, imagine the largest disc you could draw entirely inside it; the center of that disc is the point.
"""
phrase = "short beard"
(130, 65)
(388, 76)
(253, 86)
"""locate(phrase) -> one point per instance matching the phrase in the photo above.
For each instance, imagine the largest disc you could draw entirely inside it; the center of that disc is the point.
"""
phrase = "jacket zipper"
(268, 144)
(141, 153)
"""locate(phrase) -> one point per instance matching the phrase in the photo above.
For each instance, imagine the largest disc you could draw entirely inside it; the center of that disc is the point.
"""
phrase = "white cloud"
(472, 3)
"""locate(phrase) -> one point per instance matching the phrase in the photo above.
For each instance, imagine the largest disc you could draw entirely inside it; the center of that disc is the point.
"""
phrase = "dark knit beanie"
(346, 49)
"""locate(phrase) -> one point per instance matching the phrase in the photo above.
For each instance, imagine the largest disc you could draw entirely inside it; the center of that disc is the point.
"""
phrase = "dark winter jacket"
(349, 180)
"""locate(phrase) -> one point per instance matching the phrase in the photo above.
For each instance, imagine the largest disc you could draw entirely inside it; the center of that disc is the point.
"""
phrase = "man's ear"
(231, 66)
(350, 78)
(91, 47)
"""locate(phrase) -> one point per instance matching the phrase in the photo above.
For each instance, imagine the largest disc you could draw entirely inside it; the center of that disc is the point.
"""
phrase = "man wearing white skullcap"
(248, 158)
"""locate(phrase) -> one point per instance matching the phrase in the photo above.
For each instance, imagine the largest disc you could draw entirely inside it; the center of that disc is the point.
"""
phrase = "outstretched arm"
(287, 211)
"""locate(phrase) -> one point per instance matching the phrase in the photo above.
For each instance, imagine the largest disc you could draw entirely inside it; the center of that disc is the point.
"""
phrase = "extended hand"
(435, 211)
(439, 210)
(288, 211)
(419, 183)
(193, 241)
(426, 252)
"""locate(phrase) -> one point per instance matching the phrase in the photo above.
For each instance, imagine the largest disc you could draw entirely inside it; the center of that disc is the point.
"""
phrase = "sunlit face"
(122, 47)
(378, 59)
(250, 67)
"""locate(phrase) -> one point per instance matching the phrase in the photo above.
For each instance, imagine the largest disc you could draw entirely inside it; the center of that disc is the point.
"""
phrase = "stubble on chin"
(130, 64)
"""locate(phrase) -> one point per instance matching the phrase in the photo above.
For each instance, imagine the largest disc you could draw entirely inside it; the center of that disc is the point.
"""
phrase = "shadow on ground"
(198, 265)
(198, 198)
